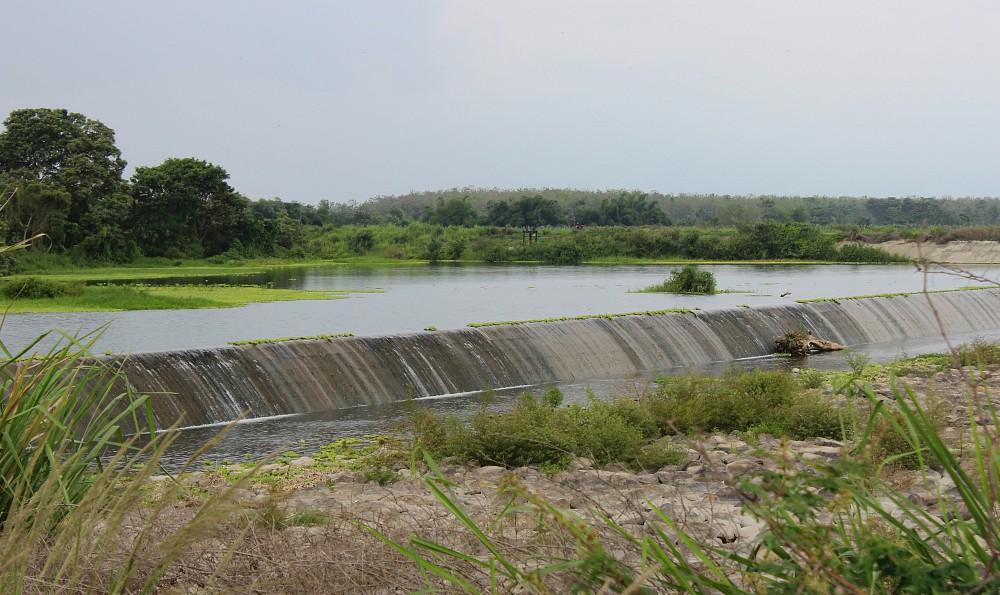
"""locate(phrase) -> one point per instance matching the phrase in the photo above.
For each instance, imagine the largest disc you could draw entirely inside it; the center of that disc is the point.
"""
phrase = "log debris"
(803, 343)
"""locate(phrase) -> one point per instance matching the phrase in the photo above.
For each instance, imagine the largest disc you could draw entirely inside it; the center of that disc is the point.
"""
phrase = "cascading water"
(205, 386)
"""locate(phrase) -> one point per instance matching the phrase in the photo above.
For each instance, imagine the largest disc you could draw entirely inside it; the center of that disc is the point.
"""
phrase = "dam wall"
(204, 386)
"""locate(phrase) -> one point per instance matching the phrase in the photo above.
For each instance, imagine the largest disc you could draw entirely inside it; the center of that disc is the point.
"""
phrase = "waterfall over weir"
(203, 386)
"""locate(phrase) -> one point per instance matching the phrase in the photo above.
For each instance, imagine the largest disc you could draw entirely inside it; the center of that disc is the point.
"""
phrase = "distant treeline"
(765, 240)
(61, 176)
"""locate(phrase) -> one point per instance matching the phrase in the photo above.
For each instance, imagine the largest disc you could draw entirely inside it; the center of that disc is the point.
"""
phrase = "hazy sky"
(346, 100)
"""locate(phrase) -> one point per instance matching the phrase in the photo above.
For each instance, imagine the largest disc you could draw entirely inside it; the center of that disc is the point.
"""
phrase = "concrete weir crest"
(204, 386)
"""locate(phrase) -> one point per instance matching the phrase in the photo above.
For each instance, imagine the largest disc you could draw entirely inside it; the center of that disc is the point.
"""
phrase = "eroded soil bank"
(956, 252)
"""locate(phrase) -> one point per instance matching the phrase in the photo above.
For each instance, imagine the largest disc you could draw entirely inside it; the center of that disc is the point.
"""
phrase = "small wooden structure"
(529, 234)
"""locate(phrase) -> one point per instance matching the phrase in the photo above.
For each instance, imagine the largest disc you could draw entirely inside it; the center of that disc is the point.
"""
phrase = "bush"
(689, 279)
(362, 242)
(562, 251)
(743, 401)
(31, 288)
(543, 434)
(979, 353)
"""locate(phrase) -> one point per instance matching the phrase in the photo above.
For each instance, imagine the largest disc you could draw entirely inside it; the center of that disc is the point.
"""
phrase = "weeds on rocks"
(833, 526)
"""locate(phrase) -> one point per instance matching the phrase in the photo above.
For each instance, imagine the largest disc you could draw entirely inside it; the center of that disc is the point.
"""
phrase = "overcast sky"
(346, 100)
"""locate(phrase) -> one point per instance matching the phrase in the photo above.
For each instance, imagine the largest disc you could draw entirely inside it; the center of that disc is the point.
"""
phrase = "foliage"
(62, 151)
(524, 211)
(689, 279)
(455, 211)
(980, 353)
(831, 527)
(185, 207)
(33, 288)
(61, 411)
(116, 298)
(743, 401)
(286, 339)
(547, 435)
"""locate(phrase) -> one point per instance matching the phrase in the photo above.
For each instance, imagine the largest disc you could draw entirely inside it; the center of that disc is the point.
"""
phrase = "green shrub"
(689, 279)
(31, 288)
(978, 353)
(561, 251)
(531, 434)
(757, 401)
(543, 434)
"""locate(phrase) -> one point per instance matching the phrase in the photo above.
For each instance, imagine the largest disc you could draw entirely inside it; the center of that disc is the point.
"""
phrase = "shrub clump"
(759, 401)
(689, 279)
(539, 432)
(31, 288)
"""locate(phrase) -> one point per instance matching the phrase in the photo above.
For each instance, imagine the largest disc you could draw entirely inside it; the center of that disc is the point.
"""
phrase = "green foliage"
(829, 527)
(361, 242)
(583, 317)
(61, 411)
(756, 401)
(286, 339)
(64, 151)
(455, 211)
(33, 288)
(544, 434)
(810, 378)
(524, 211)
(564, 251)
(185, 207)
(689, 279)
(979, 353)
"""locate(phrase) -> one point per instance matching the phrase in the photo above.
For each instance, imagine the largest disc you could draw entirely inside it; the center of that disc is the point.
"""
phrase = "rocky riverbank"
(312, 533)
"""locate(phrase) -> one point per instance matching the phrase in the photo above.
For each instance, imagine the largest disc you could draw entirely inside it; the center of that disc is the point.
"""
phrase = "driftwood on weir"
(803, 343)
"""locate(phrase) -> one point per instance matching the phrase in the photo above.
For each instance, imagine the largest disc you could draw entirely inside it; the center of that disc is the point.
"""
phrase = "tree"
(185, 207)
(34, 208)
(65, 151)
(456, 211)
(525, 210)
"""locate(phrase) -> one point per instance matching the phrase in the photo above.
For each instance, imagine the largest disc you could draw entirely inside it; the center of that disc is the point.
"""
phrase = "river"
(409, 298)
(414, 297)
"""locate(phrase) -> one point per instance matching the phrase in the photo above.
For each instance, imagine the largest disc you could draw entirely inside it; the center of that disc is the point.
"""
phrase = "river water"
(413, 297)
(398, 299)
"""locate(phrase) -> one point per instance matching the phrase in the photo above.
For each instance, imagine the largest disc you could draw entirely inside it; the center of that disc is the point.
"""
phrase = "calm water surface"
(412, 298)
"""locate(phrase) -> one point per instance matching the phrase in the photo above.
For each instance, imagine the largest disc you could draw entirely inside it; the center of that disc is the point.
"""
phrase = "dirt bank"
(957, 252)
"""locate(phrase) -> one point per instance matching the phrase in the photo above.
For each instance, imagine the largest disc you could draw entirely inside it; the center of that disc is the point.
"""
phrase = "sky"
(352, 99)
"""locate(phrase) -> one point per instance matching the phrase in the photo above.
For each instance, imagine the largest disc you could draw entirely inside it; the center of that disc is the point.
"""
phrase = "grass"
(115, 298)
(891, 295)
(286, 339)
(584, 317)
(834, 527)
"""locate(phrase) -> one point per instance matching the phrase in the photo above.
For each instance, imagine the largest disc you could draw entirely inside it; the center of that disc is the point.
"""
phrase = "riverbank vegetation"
(31, 294)
(826, 523)
(61, 181)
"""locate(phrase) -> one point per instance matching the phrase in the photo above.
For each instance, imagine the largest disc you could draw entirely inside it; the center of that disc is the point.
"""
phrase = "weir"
(205, 386)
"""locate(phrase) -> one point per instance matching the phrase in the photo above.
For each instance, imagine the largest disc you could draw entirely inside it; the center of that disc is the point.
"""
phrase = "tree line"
(61, 175)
